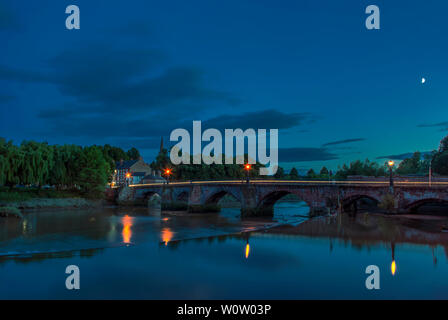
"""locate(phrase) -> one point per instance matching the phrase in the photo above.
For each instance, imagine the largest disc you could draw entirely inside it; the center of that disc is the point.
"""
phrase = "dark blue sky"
(138, 69)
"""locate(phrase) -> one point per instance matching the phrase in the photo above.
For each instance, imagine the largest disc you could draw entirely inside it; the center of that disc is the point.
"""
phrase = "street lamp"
(247, 167)
(391, 180)
(128, 177)
(430, 173)
(167, 173)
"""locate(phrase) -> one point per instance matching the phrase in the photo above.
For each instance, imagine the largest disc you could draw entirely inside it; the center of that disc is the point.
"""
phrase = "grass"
(10, 212)
(24, 194)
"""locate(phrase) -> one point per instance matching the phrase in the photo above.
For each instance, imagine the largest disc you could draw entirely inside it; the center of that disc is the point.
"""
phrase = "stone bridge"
(258, 197)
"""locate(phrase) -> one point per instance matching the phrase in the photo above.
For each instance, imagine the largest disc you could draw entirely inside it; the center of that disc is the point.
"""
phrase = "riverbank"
(34, 198)
(39, 203)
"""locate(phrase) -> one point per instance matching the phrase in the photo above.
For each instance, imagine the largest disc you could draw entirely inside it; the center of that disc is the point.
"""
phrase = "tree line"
(186, 172)
(87, 169)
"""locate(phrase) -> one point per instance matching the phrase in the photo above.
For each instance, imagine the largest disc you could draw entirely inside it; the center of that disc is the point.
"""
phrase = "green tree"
(94, 172)
(311, 174)
(280, 174)
(440, 158)
(133, 154)
(293, 174)
(360, 168)
(411, 165)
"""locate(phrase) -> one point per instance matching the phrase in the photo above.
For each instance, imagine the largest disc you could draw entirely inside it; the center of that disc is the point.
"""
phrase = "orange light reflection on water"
(166, 235)
(127, 232)
(247, 250)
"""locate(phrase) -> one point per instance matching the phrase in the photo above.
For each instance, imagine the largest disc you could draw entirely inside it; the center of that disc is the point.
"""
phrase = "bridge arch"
(352, 202)
(268, 201)
(152, 200)
(216, 195)
(356, 197)
(414, 206)
(148, 194)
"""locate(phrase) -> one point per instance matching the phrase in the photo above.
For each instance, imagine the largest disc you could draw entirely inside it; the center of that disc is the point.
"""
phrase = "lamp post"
(430, 173)
(167, 174)
(128, 177)
(247, 168)
(391, 179)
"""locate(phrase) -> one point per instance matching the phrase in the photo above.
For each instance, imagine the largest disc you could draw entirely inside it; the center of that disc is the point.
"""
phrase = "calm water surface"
(133, 253)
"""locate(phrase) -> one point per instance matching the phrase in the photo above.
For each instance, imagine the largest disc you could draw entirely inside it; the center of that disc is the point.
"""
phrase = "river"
(131, 253)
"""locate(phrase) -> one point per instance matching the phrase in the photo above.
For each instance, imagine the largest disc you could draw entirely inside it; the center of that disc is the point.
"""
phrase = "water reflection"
(166, 235)
(127, 232)
(393, 266)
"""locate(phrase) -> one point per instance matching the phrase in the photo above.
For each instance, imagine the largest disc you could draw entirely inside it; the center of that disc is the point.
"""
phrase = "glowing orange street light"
(391, 163)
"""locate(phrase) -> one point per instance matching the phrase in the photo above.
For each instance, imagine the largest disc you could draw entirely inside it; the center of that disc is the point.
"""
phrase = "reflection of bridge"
(258, 197)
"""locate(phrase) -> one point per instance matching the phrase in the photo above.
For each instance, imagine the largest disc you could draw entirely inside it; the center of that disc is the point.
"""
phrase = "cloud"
(305, 154)
(439, 124)
(342, 142)
(266, 119)
(117, 80)
(403, 156)
(134, 96)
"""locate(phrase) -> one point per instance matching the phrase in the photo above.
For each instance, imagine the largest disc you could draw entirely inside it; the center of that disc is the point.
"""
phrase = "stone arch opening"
(429, 206)
(283, 204)
(153, 201)
(149, 194)
(361, 202)
(220, 196)
(227, 203)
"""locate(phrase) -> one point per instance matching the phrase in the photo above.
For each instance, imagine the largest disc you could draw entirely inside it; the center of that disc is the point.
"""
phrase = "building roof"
(138, 174)
(125, 164)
